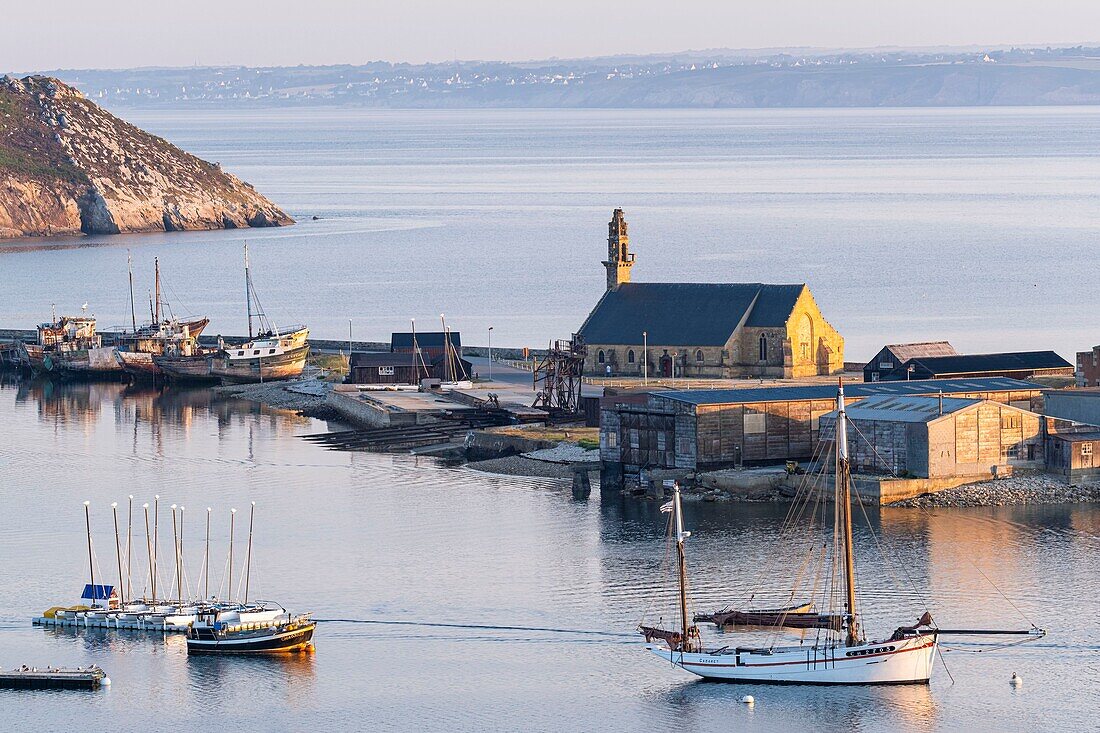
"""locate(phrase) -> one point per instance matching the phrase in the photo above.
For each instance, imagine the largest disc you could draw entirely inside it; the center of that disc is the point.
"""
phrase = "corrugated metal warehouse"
(706, 429)
(1078, 405)
(938, 437)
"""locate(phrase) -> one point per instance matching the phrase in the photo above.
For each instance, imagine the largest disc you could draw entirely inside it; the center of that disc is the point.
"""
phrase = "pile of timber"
(407, 437)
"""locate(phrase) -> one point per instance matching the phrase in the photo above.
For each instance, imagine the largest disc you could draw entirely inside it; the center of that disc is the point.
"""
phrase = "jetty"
(99, 619)
(33, 678)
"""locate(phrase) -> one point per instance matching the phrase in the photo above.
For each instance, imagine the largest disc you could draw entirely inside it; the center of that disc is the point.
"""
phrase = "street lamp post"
(490, 353)
(645, 358)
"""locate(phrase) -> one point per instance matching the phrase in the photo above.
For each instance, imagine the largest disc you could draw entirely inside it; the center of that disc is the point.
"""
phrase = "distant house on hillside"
(704, 329)
(893, 356)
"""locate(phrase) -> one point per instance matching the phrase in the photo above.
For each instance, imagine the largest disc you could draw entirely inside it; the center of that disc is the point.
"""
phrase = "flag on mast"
(666, 508)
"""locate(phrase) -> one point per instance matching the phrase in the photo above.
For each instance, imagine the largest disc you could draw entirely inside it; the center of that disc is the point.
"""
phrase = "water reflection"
(290, 676)
(403, 538)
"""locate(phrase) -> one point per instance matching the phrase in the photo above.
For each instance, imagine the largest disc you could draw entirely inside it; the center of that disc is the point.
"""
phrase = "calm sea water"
(972, 225)
(413, 544)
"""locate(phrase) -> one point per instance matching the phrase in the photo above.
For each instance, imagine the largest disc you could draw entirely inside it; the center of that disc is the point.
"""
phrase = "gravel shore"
(1008, 492)
(278, 395)
(520, 466)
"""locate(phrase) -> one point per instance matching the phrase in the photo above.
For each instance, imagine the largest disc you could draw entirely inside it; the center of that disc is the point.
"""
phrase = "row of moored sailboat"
(211, 624)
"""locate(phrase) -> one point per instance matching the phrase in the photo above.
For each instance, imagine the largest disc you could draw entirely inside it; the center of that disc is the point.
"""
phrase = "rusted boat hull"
(34, 357)
(194, 369)
(288, 365)
(99, 361)
(138, 363)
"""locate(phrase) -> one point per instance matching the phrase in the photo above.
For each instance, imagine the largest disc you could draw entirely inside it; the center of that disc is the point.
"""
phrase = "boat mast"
(232, 520)
(248, 556)
(156, 279)
(418, 355)
(447, 350)
(156, 541)
(149, 549)
(118, 557)
(844, 498)
(176, 551)
(206, 560)
(685, 629)
(133, 312)
(248, 292)
(181, 570)
(91, 563)
(129, 531)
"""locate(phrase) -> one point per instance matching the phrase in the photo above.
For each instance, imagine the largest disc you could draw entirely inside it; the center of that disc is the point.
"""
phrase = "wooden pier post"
(582, 485)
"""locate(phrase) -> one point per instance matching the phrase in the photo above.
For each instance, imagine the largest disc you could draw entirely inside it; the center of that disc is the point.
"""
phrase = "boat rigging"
(840, 654)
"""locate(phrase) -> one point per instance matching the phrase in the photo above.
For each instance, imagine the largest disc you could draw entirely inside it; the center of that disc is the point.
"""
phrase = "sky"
(128, 33)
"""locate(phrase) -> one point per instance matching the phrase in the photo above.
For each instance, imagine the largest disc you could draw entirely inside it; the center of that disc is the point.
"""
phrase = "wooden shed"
(395, 368)
(1074, 455)
(938, 437)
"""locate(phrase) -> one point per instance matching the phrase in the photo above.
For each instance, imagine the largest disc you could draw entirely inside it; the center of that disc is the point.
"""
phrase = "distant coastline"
(695, 79)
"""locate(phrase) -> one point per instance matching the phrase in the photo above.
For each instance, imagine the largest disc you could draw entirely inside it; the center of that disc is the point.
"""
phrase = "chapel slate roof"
(977, 363)
(686, 314)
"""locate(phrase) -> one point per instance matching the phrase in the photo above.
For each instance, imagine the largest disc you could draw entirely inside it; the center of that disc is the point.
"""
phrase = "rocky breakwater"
(1035, 489)
(69, 167)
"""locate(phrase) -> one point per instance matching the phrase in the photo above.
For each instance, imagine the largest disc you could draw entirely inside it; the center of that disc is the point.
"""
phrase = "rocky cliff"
(67, 166)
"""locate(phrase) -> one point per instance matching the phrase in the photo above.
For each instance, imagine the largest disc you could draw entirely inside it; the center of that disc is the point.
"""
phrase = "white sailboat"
(841, 653)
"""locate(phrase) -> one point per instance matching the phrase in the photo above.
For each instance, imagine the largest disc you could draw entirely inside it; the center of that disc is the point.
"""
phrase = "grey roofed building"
(892, 356)
(938, 437)
(708, 429)
(1021, 364)
(857, 389)
(907, 408)
(429, 342)
(687, 314)
(1078, 405)
(723, 330)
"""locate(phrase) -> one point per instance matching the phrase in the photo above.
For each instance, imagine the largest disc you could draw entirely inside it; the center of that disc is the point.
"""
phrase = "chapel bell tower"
(619, 259)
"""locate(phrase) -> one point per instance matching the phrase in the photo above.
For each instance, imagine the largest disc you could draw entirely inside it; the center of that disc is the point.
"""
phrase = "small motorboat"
(262, 629)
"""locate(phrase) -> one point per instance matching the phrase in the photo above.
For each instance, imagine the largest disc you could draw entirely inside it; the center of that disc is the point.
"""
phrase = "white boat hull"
(901, 662)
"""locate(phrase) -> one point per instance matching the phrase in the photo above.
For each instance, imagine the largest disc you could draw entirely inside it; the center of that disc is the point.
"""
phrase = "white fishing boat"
(272, 354)
(841, 654)
(267, 629)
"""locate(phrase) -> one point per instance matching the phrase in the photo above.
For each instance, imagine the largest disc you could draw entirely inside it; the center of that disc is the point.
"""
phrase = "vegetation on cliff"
(67, 167)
